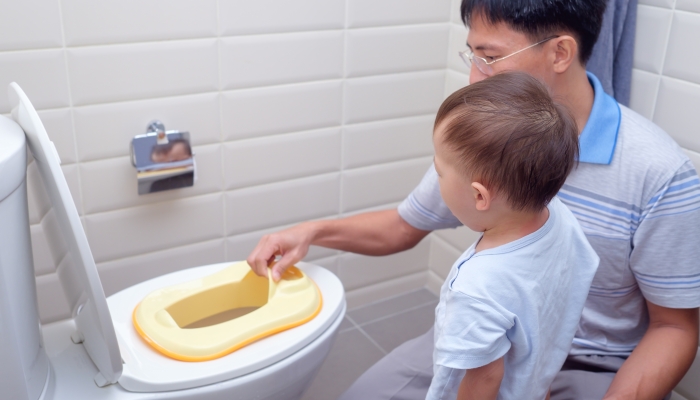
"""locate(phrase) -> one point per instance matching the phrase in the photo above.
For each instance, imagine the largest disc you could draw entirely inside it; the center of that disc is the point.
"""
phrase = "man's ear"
(565, 52)
(482, 196)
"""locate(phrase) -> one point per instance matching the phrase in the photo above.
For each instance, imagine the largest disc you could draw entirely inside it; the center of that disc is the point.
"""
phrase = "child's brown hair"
(507, 133)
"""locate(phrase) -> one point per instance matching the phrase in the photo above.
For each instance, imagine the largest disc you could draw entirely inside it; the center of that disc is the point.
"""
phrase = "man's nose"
(475, 75)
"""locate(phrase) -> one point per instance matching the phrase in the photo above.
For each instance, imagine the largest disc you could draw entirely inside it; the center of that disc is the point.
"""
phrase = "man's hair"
(539, 19)
(507, 133)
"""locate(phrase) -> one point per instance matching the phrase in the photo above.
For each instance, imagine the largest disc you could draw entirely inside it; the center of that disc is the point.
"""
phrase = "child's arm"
(482, 383)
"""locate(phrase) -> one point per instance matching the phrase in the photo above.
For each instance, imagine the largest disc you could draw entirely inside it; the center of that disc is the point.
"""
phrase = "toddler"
(510, 306)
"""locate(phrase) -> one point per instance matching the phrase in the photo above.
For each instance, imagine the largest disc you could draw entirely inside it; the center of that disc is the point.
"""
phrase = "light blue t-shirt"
(521, 301)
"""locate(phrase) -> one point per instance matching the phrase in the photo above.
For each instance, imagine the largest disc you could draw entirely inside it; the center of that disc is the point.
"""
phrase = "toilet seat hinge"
(100, 380)
(77, 337)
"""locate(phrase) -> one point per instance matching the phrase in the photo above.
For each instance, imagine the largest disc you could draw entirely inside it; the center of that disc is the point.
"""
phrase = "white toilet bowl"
(98, 354)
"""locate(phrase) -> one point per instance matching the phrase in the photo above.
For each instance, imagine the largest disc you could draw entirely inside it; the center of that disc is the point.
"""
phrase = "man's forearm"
(482, 383)
(375, 233)
(658, 363)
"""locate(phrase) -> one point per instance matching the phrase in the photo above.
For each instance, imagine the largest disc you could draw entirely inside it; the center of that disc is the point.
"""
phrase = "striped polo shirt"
(637, 198)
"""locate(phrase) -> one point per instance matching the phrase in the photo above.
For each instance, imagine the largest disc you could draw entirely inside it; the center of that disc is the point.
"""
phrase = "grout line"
(359, 328)
(221, 128)
(663, 61)
(399, 312)
(374, 303)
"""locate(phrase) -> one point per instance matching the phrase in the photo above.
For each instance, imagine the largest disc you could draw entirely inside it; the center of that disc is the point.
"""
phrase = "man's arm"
(662, 357)
(482, 383)
(375, 233)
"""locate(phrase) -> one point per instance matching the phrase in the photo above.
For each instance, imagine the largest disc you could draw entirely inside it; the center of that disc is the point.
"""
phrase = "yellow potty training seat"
(210, 317)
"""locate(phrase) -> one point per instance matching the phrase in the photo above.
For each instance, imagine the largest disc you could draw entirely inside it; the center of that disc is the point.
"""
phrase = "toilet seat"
(147, 370)
(103, 327)
(167, 318)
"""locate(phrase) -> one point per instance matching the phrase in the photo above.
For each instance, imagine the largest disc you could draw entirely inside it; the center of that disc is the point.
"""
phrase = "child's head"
(502, 141)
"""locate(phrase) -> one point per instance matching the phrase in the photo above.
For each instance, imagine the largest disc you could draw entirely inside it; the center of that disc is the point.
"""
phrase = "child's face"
(455, 188)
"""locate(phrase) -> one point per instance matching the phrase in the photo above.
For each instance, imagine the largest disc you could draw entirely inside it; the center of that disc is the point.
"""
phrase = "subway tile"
(688, 5)
(391, 332)
(59, 127)
(694, 157)
(378, 291)
(37, 198)
(683, 54)
(392, 306)
(292, 201)
(30, 24)
(280, 109)
(137, 230)
(237, 17)
(52, 303)
(111, 183)
(239, 247)
(70, 172)
(396, 12)
(44, 262)
(393, 96)
(100, 74)
(53, 235)
(396, 49)
(442, 257)
(460, 238)
(88, 23)
(281, 157)
(457, 43)
(120, 274)
(645, 86)
(40, 73)
(106, 130)
(657, 3)
(381, 184)
(455, 13)
(455, 81)
(386, 141)
(677, 111)
(652, 33)
(357, 270)
(261, 60)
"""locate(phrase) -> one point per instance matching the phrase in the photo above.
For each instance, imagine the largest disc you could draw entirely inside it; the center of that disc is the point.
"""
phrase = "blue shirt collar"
(599, 136)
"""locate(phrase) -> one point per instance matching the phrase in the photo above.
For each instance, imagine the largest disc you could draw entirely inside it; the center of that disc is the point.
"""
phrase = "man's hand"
(291, 244)
(375, 233)
(662, 357)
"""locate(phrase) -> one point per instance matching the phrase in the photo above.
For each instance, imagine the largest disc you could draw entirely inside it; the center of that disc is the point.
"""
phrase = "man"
(635, 194)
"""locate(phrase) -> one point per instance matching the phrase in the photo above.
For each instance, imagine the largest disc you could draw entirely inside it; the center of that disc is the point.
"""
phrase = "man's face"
(494, 41)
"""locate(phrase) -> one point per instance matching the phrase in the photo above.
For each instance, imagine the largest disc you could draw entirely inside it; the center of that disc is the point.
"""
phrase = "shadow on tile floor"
(366, 335)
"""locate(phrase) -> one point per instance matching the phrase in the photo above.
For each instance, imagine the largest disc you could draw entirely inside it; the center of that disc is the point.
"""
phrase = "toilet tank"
(24, 367)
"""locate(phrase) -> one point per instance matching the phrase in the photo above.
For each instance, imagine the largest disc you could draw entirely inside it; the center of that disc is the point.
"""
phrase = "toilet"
(98, 353)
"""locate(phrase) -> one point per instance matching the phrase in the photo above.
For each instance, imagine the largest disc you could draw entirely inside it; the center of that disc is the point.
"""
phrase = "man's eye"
(490, 58)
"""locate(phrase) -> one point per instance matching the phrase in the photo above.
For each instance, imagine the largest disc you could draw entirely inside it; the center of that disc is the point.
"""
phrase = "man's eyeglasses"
(484, 66)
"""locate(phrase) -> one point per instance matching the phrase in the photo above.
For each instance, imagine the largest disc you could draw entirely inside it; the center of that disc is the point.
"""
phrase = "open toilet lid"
(77, 273)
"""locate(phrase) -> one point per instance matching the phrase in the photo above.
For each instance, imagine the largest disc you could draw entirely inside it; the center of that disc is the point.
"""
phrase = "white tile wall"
(297, 110)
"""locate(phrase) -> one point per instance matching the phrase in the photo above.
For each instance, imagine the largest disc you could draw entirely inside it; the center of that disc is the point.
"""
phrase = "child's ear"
(482, 196)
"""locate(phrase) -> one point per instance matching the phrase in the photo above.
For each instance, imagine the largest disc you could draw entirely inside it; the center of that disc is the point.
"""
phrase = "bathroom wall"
(298, 109)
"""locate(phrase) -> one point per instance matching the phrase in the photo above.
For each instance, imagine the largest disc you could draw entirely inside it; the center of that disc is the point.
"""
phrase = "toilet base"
(73, 373)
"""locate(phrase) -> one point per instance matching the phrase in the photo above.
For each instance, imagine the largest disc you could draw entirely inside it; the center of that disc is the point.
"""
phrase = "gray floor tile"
(345, 325)
(391, 332)
(351, 355)
(391, 306)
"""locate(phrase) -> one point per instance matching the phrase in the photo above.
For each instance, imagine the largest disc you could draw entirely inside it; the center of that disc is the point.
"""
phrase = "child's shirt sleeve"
(471, 334)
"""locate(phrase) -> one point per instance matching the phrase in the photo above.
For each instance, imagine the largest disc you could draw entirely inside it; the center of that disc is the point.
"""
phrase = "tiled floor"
(366, 335)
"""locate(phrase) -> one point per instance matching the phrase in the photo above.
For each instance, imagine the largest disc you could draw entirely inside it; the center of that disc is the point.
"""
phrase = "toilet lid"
(146, 370)
(78, 276)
